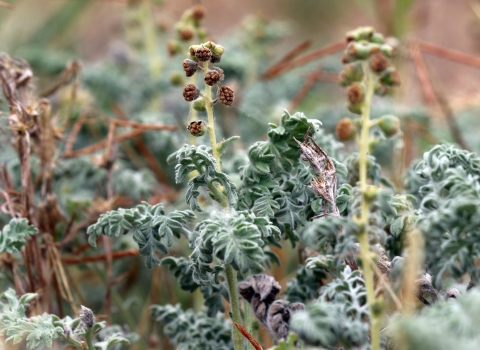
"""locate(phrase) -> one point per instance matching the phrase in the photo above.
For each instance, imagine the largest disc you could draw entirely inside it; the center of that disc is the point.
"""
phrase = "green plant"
(355, 279)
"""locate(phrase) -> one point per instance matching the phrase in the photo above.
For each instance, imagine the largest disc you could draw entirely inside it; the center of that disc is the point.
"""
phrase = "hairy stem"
(363, 237)
(232, 291)
(230, 273)
(211, 122)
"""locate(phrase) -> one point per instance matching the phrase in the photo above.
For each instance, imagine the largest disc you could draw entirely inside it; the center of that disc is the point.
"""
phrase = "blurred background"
(98, 60)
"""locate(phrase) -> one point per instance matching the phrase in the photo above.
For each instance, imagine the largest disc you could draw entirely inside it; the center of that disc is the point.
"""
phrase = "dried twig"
(450, 54)
(101, 144)
(101, 257)
(249, 337)
(310, 81)
(422, 72)
(312, 56)
(142, 146)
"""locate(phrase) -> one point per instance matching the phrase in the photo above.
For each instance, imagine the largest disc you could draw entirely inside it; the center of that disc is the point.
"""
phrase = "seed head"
(190, 92)
(212, 77)
(226, 95)
(345, 129)
(379, 62)
(197, 128)
(356, 93)
(198, 12)
(190, 67)
(203, 54)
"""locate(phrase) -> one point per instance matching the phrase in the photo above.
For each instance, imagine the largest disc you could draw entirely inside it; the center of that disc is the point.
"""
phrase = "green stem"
(221, 198)
(230, 273)
(232, 291)
(88, 339)
(363, 237)
(211, 122)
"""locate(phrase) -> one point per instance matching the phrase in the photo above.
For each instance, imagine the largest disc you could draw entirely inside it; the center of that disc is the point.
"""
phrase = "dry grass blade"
(247, 335)
(7, 5)
(101, 257)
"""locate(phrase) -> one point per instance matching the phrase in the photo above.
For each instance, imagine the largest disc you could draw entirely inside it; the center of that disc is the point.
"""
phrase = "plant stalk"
(230, 273)
(232, 291)
(363, 237)
(211, 122)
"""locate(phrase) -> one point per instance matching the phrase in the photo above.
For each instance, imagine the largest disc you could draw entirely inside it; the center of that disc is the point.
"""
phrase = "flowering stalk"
(206, 53)
(369, 80)
(211, 121)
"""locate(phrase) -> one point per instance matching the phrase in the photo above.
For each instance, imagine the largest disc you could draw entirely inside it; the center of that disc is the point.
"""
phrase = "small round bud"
(218, 50)
(220, 71)
(190, 67)
(390, 77)
(190, 92)
(200, 105)
(358, 50)
(389, 124)
(203, 54)
(174, 47)
(350, 74)
(381, 90)
(176, 79)
(226, 95)
(345, 129)
(87, 317)
(202, 34)
(197, 128)
(198, 12)
(370, 194)
(387, 50)
(186, 34)
(209, 45)
(377, 38)
(356, 93)
(379, 62)
(192, 49)
(212, 77)
(361, 33)
(355, 108)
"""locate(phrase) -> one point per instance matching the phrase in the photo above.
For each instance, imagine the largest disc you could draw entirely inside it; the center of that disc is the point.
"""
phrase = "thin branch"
(428, 92)
(449, 54)
(312, 56)
(101, 257)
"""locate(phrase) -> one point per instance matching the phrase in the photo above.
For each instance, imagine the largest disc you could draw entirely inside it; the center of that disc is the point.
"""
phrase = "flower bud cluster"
(201, 59)
(188, 28)
(367, 54)
(365, 45)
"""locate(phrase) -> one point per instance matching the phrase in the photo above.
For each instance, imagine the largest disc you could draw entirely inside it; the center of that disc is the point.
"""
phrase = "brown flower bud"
(226, 95)
(186, 34)
(212, 77)
(190, 92)
(198, 12)
(190, 67)
(379, 62)
(197, 128)
(356, 93)
(345, 129)
(203, 54)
